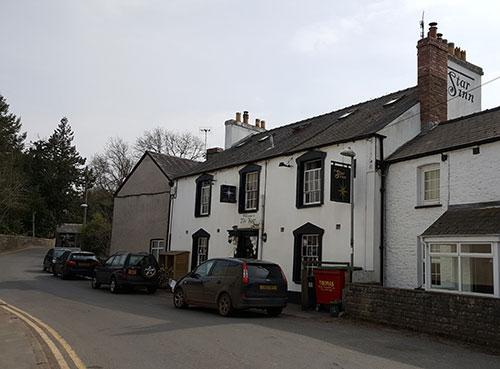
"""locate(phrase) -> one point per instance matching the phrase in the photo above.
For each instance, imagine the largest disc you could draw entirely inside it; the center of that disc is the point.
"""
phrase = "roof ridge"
(171, 156)
(454, 120)
(336, 111)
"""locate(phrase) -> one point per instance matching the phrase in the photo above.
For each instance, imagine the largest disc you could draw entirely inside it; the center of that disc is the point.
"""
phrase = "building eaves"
(471, 130)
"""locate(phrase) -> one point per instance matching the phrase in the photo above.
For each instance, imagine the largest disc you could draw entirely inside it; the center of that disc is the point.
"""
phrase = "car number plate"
(268, 287)
(84, 264)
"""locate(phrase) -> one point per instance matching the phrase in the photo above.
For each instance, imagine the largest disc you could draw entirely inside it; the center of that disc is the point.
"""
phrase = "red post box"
(329, 285)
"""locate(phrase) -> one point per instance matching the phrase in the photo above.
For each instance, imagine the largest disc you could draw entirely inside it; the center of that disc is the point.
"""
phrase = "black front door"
(248, 242)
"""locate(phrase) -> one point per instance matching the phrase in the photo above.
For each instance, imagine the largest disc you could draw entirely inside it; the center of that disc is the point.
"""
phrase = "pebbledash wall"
(278, 193)
(464, 178)
(141, 209)
(467, 318)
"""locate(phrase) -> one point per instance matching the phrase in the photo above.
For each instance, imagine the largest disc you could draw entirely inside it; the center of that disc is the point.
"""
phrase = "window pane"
(477, 274)
(443, 248)
(476, 248)
(202, 249)
(312, 182)
(310, 249)
(444, 272)
(431, 185)
(251, 190)
(205, 197)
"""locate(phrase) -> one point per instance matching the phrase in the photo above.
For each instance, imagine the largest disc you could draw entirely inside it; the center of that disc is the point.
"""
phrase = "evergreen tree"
(57, 179)
(12, 181)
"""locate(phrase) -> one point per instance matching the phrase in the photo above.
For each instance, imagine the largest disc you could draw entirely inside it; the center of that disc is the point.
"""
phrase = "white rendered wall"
(281, 213)
(401, 130)
(464, 178)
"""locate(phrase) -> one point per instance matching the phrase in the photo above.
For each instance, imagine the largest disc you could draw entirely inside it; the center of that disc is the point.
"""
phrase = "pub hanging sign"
(340, 190)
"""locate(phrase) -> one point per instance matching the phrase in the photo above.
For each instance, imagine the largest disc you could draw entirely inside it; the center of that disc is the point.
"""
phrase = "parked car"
(52, 255)
(233, 284)
(128, 270)
(75, 263)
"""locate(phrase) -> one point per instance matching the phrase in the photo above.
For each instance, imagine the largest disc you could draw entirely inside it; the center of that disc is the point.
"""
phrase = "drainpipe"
(383, 171)
(263, 234)
(168, 240)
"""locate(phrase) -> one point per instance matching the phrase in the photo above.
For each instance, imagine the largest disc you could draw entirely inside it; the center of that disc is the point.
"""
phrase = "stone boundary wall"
(467, 318)
(13, 242)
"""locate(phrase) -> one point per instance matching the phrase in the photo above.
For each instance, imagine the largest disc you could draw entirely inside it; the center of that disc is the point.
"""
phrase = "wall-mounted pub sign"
(340, 190)
(227, 193)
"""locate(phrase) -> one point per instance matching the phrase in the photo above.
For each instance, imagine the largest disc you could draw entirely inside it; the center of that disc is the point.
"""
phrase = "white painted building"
(443, 208)
(283, 195)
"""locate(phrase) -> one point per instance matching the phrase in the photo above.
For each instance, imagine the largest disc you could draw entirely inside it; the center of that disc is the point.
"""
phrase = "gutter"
(168, 240)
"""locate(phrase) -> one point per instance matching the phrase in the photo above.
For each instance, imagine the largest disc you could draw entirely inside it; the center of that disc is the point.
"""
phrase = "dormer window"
(203, 195)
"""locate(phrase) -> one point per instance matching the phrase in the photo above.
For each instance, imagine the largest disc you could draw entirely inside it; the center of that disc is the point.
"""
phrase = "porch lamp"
(351, 154)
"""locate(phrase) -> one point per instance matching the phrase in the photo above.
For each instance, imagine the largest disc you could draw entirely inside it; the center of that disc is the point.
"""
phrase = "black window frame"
(251, 168)
(199, 183)
(201, 233)
(306, 229)
(301, 161)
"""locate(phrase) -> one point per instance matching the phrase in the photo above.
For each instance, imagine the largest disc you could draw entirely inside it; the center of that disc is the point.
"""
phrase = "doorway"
(248, 244)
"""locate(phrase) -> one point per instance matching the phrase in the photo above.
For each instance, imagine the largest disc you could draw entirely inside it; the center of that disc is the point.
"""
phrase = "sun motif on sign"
(343, 192)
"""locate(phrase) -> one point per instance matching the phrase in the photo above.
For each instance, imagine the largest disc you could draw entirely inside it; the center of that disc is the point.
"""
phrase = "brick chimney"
(211, 152)
(432, 78)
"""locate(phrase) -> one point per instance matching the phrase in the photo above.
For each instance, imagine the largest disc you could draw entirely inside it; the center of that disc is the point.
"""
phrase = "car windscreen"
(264, 271)
(139, 260)
(83, 257)
(58, 253)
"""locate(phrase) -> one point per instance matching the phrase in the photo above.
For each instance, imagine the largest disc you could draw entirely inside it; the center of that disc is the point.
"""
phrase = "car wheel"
(224, 305)
(113, 286)
(95, 285)
(179, 301)
(152, 290)
(54, 273)
(65, 275)
(274, 311)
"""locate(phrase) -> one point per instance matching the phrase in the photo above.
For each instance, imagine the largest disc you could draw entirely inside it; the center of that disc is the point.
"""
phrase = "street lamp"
(351, 154)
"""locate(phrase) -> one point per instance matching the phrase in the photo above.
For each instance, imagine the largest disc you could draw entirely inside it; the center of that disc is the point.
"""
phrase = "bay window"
(462, 267)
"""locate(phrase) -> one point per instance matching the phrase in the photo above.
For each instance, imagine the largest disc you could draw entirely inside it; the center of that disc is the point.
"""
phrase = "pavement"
(21, 348)
(141, 331)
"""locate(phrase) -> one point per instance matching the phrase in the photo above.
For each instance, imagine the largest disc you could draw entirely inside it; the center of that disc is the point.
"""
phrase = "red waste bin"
(329, 285)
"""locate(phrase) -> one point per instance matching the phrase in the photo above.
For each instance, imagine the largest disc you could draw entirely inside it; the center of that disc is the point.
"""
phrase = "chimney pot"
(451, 47)
(432, 30)
(463, 55)
(439, 36)
(238, 117)
(457, 52)
(263, 124)
(245, 117)
(257, 122)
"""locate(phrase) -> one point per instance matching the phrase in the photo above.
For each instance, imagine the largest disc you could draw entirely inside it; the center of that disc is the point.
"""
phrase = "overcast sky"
(118, 67)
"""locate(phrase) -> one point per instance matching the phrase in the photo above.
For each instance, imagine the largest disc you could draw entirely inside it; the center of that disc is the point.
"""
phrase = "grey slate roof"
(461, 132)
(366, 120)
(468, 219)
(172, 166)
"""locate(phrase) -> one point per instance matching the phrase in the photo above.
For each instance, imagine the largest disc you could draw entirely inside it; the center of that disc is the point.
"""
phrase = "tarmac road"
(140, 331)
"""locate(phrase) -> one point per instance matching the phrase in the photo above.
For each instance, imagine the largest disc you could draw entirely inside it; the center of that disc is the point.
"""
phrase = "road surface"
(140, 331)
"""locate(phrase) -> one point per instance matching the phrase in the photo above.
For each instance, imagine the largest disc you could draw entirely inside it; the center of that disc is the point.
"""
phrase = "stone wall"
(467, 318)
(10, 243)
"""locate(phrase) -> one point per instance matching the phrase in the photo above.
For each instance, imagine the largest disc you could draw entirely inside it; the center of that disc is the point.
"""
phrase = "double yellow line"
(49, 336)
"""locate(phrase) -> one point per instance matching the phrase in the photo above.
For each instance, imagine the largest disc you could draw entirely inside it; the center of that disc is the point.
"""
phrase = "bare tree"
(160, 140)
(112, 166)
